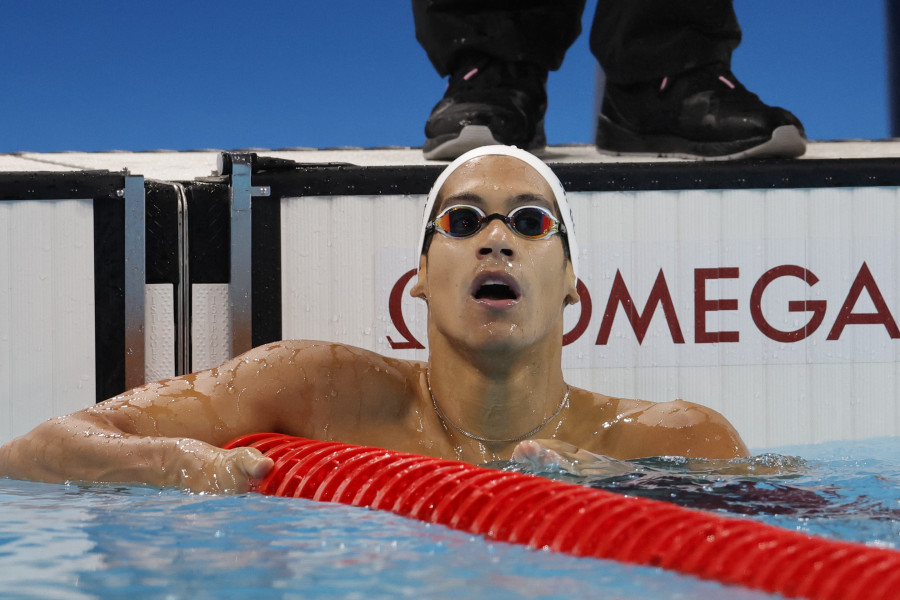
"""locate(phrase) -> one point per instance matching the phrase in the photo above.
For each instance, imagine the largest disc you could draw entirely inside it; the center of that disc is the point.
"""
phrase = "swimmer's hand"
(548, 455)
(207, 469)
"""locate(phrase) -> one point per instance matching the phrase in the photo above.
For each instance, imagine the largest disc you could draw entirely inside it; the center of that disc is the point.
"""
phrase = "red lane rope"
(542, 513)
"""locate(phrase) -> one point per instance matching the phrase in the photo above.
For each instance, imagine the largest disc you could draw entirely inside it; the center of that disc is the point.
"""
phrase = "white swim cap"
(531, 160)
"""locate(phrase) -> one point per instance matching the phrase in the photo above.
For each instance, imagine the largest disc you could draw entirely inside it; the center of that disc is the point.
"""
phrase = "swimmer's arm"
(113, 457)
(164, 433)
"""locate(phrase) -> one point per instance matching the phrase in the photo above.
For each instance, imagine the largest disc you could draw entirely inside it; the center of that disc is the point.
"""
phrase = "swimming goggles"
(529, 222)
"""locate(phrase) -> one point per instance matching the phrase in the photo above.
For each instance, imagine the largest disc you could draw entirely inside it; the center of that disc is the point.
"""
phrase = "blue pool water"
(67, 541)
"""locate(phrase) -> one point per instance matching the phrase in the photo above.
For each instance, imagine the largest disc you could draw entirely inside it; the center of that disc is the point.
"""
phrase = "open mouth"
(495, 288)
(495, 291)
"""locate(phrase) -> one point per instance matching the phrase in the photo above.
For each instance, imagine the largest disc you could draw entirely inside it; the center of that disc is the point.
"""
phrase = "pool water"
(843, 490)
(68, 541)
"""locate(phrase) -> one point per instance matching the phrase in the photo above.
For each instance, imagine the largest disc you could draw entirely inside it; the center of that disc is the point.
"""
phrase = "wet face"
(495, 289)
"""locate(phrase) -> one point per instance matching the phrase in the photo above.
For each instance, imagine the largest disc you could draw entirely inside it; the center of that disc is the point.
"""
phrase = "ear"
(420, 287)
(572, 296)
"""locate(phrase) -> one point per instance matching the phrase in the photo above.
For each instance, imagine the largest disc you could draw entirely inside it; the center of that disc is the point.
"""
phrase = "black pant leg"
(642, 40)
(535, 31)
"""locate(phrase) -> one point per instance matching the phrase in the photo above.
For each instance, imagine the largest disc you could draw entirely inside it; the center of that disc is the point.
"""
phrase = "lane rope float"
(577, 520)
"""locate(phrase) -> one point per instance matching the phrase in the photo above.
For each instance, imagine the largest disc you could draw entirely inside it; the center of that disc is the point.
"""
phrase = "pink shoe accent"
(470, 74)
(664, 83)
(725, 81)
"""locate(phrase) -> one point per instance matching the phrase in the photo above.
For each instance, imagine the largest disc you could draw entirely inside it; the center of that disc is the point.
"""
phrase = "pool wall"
(766, 290)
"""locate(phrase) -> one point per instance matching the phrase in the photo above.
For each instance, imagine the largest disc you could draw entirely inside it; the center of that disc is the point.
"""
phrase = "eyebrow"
(476, 200)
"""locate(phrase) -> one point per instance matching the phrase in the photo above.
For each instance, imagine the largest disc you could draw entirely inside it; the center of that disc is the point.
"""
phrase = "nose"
(496, 239)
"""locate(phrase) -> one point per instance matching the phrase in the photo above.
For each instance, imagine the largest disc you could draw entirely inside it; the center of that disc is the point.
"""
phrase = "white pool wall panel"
(340, 256)
(47, 365)
(210, 325)
(159, 344)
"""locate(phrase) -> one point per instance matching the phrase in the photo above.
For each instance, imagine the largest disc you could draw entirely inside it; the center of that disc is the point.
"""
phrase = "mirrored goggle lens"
(531, 222)
(460, 221)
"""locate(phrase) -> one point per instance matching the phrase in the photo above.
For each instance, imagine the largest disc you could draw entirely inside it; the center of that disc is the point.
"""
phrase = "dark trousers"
(634, 40)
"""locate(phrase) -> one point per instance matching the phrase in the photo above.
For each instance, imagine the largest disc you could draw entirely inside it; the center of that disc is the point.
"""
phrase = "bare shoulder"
(680, 413)
(690, 429)
(299, 387)
(324, 355)
(636, 428)
(338, 378)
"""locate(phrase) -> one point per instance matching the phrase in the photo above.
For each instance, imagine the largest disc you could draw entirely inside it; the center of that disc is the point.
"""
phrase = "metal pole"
(241, 278)
(135, 280)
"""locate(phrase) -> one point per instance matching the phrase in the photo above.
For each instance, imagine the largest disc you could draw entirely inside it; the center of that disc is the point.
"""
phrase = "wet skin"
(494, 368)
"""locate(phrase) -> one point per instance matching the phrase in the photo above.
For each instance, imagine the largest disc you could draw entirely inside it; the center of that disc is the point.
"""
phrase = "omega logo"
(661, 298)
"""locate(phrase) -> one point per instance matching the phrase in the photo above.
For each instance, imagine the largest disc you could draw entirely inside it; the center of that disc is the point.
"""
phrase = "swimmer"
(497, 267)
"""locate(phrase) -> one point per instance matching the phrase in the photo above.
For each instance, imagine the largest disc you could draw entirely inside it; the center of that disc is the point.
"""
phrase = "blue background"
(135, 75)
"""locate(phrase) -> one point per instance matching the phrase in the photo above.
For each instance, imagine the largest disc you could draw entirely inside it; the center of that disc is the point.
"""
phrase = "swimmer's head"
(559, 195)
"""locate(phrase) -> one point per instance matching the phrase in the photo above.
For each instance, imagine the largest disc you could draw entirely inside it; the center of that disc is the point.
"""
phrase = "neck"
(497, 395)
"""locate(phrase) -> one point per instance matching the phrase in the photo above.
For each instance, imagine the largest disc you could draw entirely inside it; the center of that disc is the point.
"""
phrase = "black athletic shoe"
(705, 113)
(488, 102)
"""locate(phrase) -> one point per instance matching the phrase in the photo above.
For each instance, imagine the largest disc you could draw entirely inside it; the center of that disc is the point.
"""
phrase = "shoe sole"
(785, 142)
(452, 146)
